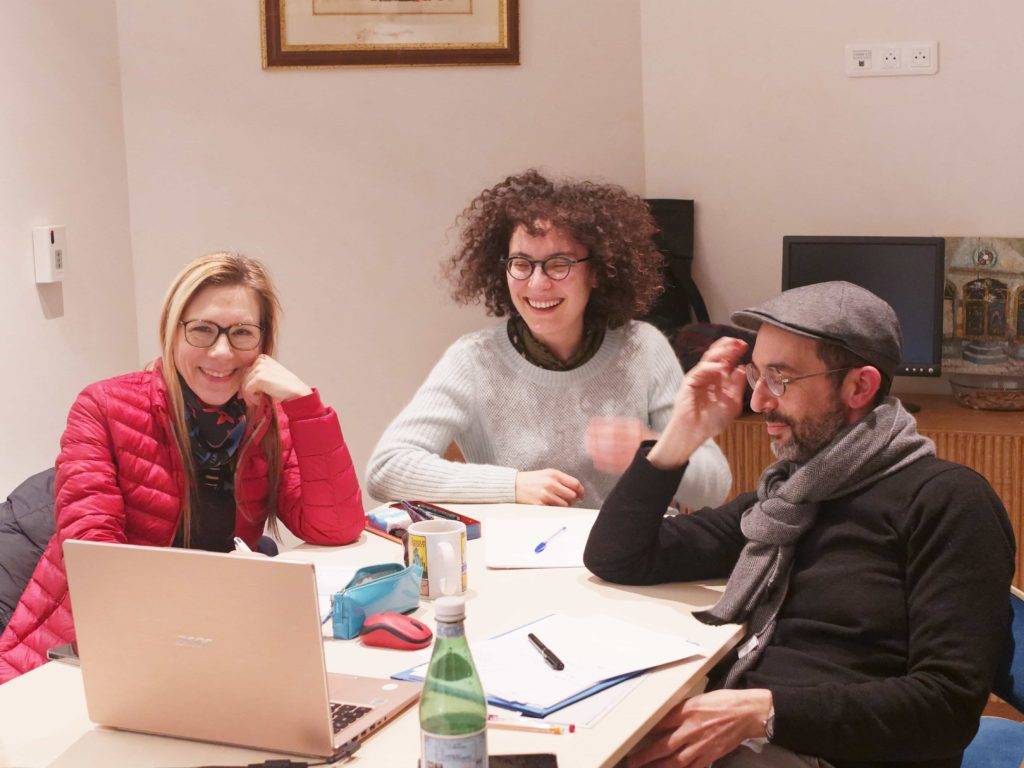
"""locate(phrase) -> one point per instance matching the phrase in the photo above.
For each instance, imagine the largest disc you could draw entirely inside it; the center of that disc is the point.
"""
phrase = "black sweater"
(897, 612)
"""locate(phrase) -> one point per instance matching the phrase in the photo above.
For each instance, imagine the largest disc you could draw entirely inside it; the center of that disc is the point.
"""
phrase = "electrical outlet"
(921, 56)
(889, 59)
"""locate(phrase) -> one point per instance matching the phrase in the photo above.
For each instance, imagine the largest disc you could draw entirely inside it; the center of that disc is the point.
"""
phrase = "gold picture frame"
(338, 33)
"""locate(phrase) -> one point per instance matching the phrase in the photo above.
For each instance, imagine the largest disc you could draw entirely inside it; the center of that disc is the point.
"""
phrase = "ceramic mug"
(439, 546)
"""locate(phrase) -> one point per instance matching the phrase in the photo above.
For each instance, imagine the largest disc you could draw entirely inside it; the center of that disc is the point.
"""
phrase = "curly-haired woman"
(549, 407)
(215, 440)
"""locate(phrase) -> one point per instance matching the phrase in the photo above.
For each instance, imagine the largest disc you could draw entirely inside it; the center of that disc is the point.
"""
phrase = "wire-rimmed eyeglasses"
(774, 379)
(556, 268)
(244, 337)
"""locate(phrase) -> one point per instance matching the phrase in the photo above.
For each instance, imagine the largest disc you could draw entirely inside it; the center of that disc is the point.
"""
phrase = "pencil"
(512, 724)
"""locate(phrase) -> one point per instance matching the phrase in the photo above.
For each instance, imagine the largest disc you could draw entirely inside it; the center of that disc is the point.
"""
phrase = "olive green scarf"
(538, 353)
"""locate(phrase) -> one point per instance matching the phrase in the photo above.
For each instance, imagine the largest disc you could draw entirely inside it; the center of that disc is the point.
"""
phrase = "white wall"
(61, 162)
(747, 110)
(346, 181)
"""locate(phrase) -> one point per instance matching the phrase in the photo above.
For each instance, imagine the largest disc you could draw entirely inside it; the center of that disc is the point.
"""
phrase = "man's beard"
(808, 436)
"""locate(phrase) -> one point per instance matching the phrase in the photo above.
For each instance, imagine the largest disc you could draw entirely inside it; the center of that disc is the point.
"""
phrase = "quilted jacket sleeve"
(88, 506)
(319, 498)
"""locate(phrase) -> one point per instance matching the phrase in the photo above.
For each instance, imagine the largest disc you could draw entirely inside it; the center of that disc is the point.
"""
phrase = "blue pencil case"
(374, 589)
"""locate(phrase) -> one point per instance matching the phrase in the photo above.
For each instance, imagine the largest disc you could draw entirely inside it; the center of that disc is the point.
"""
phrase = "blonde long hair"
(219, 269)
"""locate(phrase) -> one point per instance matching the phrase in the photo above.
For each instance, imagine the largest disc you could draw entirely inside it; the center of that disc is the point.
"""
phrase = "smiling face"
(216, 373)
(552, 309)
(810, 412)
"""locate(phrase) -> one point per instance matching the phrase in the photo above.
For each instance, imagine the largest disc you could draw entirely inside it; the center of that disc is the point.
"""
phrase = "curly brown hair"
(614, 226)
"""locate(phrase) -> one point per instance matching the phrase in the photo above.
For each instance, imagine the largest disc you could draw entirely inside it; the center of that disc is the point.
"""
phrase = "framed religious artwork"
(336, 33)
(983, 306)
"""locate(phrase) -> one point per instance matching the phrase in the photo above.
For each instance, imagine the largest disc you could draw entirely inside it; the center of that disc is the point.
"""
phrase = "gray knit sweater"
(507, 415)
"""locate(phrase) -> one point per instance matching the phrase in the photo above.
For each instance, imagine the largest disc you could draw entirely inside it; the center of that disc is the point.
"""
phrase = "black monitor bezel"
(940, 275)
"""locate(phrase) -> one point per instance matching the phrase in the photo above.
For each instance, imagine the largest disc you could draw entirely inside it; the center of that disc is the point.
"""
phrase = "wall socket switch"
(921, 56)
(890, 59)
(50, 252)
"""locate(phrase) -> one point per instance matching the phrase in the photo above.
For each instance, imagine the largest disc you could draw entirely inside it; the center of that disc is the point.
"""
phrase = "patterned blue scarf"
(215, 431)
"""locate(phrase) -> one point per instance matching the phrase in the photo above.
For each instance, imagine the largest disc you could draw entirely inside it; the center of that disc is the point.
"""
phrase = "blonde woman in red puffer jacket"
(217, 439)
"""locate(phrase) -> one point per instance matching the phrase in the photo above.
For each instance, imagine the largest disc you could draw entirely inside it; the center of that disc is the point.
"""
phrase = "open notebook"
(598, 651)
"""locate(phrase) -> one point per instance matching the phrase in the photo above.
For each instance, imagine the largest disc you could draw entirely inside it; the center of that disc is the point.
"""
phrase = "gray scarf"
(788, 496)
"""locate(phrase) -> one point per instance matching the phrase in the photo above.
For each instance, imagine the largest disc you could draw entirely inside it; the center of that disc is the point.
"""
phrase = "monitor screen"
(908, 272)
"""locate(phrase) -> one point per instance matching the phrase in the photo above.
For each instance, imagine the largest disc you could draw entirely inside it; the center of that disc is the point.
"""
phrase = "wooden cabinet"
(990, 442)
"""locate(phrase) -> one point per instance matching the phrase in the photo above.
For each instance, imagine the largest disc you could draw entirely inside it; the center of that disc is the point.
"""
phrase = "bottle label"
(446, 630)
(463, 751)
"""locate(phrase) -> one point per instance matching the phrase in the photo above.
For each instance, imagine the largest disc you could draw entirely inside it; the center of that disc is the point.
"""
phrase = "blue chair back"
(1009, 682)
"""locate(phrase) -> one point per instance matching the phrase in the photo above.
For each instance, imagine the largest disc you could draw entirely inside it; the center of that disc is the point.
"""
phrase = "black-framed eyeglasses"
(556, 268)
(774, 379)
(244, 337)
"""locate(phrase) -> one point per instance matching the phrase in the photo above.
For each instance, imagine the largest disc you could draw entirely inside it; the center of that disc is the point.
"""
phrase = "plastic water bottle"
(453, 710)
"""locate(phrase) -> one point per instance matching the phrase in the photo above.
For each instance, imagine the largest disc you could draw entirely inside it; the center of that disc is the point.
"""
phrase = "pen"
(522, 724)
(540, 547)
(432, 511)
(413, 512)
(553, 661)
(442, 513)
(241, 546)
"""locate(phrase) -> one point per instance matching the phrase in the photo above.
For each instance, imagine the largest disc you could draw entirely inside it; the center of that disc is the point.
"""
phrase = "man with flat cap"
(871, 576)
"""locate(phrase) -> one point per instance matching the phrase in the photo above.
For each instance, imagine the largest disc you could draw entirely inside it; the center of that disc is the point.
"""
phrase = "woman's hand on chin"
(268, 377)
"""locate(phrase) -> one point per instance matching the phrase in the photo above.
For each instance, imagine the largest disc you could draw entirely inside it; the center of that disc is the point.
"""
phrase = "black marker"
(553, 661)
(434, 511)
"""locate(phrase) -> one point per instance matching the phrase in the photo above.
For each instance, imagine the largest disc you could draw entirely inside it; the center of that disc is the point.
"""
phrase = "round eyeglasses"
(556, 268)
(244, 337)
(775, 381)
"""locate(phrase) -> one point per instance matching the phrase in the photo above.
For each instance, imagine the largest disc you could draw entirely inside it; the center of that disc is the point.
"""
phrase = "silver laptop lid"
(201, 645)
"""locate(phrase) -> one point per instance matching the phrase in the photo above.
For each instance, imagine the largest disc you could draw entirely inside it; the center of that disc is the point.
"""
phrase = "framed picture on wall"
(333, 33)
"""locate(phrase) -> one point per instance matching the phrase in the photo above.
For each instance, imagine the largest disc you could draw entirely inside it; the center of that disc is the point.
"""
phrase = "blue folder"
(528, 709)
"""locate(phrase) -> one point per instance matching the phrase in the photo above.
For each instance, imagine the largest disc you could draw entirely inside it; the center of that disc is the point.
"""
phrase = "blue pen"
(540, 547)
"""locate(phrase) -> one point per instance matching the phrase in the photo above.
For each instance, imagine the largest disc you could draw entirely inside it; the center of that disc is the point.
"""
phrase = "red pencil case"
(424, 510)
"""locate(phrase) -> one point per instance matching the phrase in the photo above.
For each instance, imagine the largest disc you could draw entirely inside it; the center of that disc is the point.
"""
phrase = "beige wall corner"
(62, 161)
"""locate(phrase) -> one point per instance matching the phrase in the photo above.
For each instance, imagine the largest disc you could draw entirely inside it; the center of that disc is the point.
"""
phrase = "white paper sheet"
(511, 543)
(585, 713)
(588, 712)
(593, 649)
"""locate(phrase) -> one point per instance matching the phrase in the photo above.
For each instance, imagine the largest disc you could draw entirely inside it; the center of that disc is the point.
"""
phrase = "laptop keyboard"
(343, 715)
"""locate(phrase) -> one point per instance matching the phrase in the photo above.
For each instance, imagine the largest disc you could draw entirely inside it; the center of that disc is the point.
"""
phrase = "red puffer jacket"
(119, 478)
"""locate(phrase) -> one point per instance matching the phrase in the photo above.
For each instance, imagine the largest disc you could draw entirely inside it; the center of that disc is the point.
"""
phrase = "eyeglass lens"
(557, 268)
(243, 337)
(772, 379)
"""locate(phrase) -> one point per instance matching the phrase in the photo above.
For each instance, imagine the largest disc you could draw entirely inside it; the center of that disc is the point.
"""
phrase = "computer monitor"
(908, 272)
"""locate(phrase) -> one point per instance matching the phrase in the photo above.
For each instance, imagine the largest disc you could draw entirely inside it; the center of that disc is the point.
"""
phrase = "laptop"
(214, 647)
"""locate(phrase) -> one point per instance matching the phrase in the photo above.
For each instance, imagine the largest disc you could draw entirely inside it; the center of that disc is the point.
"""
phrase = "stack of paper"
(594, 649)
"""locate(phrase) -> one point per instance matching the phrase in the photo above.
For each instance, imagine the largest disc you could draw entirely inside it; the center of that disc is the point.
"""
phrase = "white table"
(44, 716)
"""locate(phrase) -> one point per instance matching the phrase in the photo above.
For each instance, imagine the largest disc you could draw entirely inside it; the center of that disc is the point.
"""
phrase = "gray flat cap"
(837, 312)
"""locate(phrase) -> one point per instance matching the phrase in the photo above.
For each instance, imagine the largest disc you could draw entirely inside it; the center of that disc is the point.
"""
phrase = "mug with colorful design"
(439, 547)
